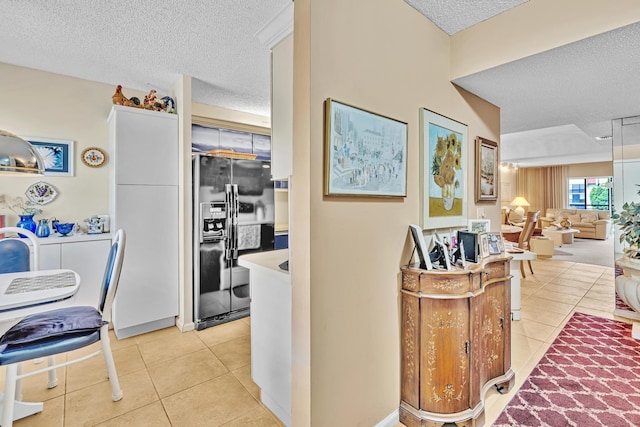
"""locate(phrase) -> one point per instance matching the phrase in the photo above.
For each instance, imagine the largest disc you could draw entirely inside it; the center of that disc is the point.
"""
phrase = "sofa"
(592, 223)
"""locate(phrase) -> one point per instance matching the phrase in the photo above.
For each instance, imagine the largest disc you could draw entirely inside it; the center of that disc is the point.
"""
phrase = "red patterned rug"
(590, 376)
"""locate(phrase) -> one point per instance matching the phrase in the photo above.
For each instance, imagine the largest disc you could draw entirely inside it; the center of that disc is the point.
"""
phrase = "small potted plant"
(629, 221)
(628, 285)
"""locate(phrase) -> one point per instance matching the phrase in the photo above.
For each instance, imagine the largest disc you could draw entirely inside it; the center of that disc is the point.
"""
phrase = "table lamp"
(520, 202)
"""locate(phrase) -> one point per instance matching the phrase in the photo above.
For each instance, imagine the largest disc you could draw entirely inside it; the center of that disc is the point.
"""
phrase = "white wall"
(42, 104)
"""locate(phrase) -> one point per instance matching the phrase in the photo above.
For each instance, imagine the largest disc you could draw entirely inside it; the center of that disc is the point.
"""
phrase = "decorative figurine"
(118, 98)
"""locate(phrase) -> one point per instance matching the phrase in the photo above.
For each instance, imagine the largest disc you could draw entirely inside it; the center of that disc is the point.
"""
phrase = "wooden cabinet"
(456, 342)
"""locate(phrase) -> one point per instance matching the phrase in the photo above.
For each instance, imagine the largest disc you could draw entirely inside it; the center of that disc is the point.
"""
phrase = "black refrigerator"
(233, 206)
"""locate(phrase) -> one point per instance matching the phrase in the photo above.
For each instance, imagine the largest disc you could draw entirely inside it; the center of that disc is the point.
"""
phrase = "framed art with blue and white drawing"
(57, 155)
(443, 171)
(365, 154)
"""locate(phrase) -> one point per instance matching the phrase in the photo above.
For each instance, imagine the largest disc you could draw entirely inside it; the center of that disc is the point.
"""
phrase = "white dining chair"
(15, 254)
(59, 331)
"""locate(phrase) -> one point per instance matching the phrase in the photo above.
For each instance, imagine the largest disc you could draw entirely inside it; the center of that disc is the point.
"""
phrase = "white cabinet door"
(50, 257)
(282, 109)
(146, 148)
(148, 289)
(89, 260)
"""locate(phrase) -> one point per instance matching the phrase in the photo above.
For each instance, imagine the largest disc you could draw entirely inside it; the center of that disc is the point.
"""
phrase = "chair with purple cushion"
(59, 331)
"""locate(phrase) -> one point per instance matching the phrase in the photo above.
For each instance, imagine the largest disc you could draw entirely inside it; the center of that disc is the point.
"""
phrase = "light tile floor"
(203, 378)
(168, 378)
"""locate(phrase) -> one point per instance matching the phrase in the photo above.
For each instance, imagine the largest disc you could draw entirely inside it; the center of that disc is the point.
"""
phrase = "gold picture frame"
(365, 154)
(487, 174)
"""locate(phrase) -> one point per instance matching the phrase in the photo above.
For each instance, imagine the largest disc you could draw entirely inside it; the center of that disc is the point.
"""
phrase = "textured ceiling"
(148, 44)
(585, 84)
(454, 16)
(556, 101)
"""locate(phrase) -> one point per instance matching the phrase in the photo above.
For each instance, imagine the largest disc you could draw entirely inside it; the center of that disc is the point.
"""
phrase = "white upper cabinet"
(150, 154)
(277, 35)
(282, 109)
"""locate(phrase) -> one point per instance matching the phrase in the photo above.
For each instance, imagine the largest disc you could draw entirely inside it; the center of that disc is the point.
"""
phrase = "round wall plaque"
(94, 157)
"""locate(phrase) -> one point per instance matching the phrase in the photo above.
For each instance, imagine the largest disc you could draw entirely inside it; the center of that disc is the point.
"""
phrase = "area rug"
(590, 376)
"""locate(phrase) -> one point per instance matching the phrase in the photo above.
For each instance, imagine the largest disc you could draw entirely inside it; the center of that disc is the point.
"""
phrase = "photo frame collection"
(365, 154)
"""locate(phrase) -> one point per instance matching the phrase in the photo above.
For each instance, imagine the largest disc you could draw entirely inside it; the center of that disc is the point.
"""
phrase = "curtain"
(545, 187)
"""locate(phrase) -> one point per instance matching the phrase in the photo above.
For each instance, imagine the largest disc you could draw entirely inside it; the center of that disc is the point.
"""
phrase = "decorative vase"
(42, 230)
(628, 287)
(565, 223)
(448, 192)
(27, 222)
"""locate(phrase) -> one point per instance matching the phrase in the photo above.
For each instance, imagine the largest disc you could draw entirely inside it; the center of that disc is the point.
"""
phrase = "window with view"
(590, 193)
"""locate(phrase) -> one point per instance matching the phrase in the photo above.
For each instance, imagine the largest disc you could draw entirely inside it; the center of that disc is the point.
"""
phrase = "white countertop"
(270, 260)
(56, 238)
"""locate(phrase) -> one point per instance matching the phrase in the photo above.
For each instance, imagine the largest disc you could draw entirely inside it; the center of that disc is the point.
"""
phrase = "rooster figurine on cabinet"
(118, 98)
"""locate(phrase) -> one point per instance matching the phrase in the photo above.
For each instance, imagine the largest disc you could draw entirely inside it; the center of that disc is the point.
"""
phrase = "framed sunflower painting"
(443, 174)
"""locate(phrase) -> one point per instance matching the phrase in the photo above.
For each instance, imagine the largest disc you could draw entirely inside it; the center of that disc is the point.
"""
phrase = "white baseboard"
(391, 420)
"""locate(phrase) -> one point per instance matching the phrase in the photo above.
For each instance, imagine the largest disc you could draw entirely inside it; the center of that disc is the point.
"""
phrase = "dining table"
(30, 292)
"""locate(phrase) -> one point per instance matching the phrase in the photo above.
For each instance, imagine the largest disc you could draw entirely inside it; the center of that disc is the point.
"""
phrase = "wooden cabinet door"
(492, 332)
(444, 355)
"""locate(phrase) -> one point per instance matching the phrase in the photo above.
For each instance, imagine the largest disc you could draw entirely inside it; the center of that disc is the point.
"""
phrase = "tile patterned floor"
(168, 379)
(211, 383)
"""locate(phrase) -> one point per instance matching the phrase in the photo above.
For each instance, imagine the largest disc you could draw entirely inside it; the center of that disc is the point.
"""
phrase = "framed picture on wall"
(480, 225)
(57, 155)
(443, 174)
(486, 170)
(365, 154)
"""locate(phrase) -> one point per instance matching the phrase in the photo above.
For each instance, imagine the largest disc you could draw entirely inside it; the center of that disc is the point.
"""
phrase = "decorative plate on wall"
(93, 157)
(41, 193)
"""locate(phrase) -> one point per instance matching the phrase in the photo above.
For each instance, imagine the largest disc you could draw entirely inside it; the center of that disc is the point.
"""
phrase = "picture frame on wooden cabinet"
(365, 153)
(470, 241)
(443, 174)
(496, 244)
(420, 247)
(487, 175)
(485, 250)
(57, 154)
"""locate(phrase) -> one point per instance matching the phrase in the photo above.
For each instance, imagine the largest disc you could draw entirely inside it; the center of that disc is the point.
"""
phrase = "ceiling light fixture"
(18, 157)
(604, 138)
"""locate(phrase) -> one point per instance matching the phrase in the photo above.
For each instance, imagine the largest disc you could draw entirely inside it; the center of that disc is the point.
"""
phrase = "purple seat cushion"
(54, 323)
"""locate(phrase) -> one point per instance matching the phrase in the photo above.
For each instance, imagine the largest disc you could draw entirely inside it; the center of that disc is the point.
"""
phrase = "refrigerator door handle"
(229, 220)
(236, 209)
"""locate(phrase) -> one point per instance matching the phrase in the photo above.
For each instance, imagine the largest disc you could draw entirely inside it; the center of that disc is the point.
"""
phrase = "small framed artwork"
(443, 171)
(365, 154)
(421, 247)
(496, 245)
(487, 161)
(479, 225)
(57, 155)
(469, 241)
(484, 245)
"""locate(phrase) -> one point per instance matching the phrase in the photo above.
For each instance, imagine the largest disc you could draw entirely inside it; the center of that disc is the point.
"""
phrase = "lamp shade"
(18, 156)
(520, 201)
